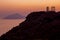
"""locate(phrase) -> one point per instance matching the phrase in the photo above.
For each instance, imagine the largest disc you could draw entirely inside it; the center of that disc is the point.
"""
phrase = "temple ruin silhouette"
(52, 8)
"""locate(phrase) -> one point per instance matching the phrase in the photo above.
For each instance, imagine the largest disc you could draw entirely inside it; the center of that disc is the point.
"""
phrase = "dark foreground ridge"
(38, 25)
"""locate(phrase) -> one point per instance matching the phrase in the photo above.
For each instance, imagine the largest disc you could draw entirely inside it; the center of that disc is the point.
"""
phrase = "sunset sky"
(25, 6)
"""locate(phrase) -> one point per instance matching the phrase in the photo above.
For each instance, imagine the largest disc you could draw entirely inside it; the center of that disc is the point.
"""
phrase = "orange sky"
(25, 6)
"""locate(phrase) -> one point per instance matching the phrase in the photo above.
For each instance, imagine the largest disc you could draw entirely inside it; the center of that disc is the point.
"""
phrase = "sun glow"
(27, 5)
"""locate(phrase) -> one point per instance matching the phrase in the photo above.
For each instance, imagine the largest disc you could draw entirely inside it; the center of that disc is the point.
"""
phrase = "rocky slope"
(38, 25)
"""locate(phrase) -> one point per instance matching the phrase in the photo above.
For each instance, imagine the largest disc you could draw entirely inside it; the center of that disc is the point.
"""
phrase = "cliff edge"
(38, 25)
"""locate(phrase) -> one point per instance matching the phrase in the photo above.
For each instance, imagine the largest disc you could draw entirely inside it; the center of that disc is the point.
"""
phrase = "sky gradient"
(25, 6)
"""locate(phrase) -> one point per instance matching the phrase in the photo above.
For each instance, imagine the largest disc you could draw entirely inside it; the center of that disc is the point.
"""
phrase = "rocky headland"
(38, 25)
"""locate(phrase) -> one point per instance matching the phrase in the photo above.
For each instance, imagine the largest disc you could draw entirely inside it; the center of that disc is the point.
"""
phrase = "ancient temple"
(52, 8)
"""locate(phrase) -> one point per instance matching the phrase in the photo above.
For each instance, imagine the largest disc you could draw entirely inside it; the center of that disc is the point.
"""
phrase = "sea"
(8, 24)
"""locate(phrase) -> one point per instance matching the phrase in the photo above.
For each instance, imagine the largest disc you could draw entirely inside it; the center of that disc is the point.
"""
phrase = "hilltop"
(38, 25)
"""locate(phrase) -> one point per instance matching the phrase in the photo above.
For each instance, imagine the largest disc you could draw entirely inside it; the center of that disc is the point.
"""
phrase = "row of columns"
(52, 8)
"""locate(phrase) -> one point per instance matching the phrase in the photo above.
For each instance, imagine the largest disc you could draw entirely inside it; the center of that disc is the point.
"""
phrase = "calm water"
(6, 25)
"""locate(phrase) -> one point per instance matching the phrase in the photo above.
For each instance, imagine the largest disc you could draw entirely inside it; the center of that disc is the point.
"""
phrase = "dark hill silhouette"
(38, 25)
(14, 16)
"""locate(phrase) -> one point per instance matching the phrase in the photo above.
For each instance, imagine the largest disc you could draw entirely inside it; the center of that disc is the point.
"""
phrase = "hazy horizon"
(25, 6)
